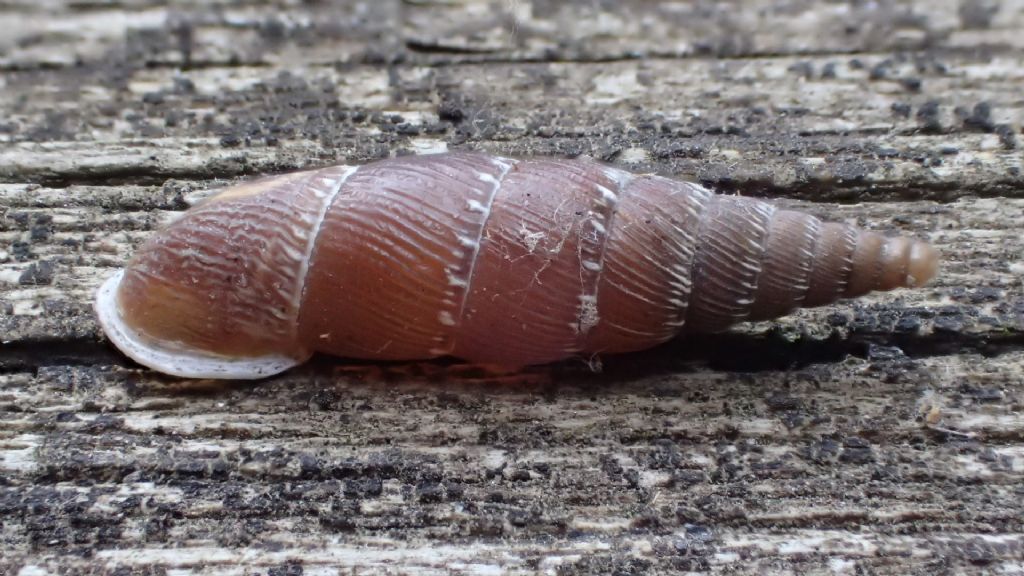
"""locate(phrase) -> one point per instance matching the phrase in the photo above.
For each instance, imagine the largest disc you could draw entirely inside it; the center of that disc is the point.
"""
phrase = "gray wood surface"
(882, 436)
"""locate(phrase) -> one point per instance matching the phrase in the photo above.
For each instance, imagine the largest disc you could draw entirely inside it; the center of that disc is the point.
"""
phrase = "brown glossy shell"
(491, 260)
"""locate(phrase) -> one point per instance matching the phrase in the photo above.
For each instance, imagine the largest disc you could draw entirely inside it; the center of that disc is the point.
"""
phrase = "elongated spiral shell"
(492, 260)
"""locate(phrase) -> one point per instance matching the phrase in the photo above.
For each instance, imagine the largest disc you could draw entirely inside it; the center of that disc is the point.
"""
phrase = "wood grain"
(885, 436)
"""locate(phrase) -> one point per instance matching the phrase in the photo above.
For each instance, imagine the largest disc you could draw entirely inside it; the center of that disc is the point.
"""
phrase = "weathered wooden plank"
(788, 126)
(884, 436)
(693, 468)
(62, 34)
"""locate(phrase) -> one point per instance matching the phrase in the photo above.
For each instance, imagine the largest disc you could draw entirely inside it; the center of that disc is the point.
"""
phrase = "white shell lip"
(176, 359)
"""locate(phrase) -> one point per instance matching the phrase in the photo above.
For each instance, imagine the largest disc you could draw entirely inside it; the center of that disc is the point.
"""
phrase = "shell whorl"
(488, 259)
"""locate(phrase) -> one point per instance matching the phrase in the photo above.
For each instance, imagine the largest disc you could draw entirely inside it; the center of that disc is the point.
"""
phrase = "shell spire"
(756, 262)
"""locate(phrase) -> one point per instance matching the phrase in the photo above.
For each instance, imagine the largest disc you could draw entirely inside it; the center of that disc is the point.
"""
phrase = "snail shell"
(491, 260)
